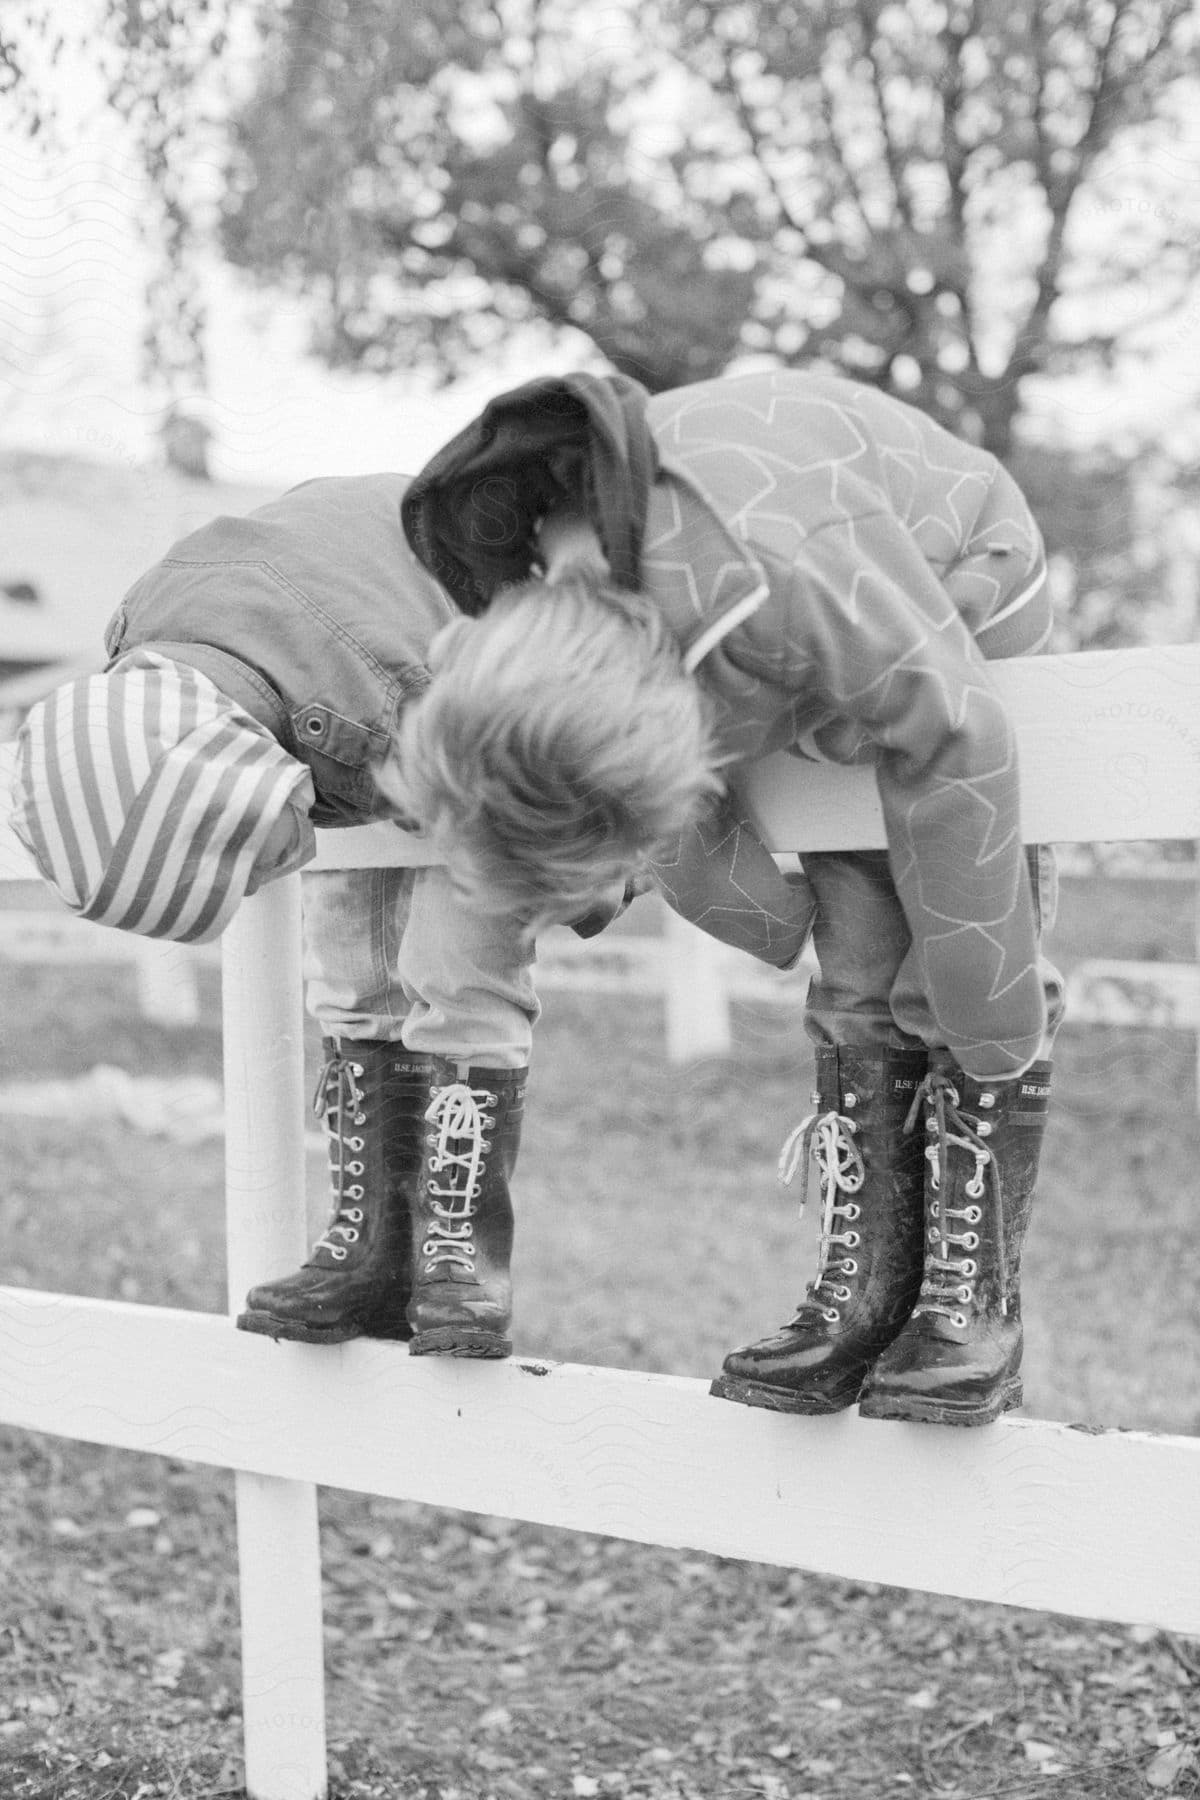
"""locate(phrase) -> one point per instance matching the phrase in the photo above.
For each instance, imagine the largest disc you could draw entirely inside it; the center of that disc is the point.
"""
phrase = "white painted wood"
(1109, 748)
(279, 1555)
(697, 997)
(1043, 1515)
(1109, 744)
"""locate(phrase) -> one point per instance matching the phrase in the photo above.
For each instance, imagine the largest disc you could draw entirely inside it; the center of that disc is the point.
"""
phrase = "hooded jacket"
(838, 570)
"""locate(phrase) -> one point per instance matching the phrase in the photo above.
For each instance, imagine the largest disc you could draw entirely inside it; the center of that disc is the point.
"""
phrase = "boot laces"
(341, 1100)
(828, 1139)
(949, 1280)
(459, 1113)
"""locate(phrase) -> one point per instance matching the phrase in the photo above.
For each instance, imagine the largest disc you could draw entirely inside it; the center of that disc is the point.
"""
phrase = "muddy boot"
(869, 1267)
(958, 1360)
(358, 1280)
(462, 1214)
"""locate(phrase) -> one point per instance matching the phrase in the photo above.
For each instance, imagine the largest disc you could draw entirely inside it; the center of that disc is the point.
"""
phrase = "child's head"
(560, 745)
(151, 802)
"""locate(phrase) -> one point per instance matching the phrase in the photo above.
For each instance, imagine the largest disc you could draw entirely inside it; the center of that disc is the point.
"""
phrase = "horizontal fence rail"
(1046, 1515)
(1095, 1523)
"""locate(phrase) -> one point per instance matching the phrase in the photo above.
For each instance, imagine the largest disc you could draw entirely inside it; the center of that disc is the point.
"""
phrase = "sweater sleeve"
(721, 877)
(860, 625)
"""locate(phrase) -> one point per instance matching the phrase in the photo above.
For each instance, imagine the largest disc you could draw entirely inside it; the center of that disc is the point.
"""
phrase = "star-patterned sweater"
(839, 570)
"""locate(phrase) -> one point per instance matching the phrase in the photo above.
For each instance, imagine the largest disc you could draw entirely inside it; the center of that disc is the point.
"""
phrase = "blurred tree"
(164, 50)
(917, 195)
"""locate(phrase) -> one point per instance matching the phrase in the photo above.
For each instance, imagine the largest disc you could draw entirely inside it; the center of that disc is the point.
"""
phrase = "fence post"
(279, 1556)
(697, 1003)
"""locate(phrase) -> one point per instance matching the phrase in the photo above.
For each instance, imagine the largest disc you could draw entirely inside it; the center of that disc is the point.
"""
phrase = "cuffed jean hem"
(397, 956)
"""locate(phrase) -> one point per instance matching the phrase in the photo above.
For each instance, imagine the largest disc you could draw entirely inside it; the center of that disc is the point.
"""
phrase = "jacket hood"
(471, 515)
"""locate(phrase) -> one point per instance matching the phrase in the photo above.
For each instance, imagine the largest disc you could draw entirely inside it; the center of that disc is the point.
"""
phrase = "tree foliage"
(903, 192)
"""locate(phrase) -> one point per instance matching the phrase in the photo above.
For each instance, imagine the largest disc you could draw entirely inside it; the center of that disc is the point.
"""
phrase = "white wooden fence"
(1092, 1523)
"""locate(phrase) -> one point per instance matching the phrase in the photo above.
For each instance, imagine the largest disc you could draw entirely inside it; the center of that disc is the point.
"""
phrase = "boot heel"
(447, 1340)
(907, 1411)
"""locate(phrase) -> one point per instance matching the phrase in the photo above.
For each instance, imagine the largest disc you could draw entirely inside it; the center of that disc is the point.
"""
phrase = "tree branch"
(891, 155)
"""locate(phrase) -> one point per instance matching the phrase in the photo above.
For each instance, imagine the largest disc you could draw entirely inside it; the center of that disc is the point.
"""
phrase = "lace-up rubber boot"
(358, 1279)
(870, 1168)
(958, 1360)
(462, 1212)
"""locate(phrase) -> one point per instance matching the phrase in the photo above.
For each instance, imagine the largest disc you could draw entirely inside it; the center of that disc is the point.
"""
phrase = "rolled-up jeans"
(397, 955)
(868, 993)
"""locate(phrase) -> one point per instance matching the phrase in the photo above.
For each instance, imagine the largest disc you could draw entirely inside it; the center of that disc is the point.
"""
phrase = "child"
(832, 572)
(257, 677)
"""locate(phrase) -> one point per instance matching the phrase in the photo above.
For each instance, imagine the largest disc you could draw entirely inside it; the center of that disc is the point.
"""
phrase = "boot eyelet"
(350, 1235)
(354, 1168)
(841, 1293)
(973, 1214)
(831, 1315)
(952, 1095)
(814, 1099)
(966, 1295)
(354, 1214)
(354, 1193)
(933, 1235)
(338, 1252)
(935, 1209)
(355, 1143)
(987, 1099)
(971, 1241)
(851, 1212)
(849, 1101)
(850, 1266)
(984, 1128)
(959, 1319)
(852, 1240)
(969, 1268)
(356, 1069)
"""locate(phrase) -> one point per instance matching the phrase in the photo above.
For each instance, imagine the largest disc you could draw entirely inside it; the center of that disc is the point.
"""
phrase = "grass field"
(470, 1658)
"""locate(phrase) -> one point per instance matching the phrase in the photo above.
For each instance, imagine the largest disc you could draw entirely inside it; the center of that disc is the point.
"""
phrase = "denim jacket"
(313, 614)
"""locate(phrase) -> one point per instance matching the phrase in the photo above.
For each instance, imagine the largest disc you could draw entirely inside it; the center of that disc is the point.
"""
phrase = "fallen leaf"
(141, 1518)
(585, 1787)
(924, 1700)
(168, 1668)
(1169, 1764)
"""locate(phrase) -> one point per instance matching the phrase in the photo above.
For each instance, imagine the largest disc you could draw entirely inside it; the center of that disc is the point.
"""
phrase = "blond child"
(803, 564)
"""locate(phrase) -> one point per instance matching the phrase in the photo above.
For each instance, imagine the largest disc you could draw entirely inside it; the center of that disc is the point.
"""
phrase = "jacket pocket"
(341, 753)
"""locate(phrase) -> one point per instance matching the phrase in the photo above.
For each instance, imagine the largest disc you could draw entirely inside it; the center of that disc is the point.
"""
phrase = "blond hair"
(560, 745)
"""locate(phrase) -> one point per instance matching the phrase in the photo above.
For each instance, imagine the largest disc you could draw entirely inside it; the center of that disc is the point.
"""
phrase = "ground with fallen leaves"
(472, 1658)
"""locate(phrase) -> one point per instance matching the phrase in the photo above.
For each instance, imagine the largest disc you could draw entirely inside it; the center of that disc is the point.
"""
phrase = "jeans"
(868, 993)
(397, 955)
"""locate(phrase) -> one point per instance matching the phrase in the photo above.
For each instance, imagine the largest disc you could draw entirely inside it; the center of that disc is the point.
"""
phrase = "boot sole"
(446, 1340)
(294, 1331)
(942, 1412)
(774, 1399)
